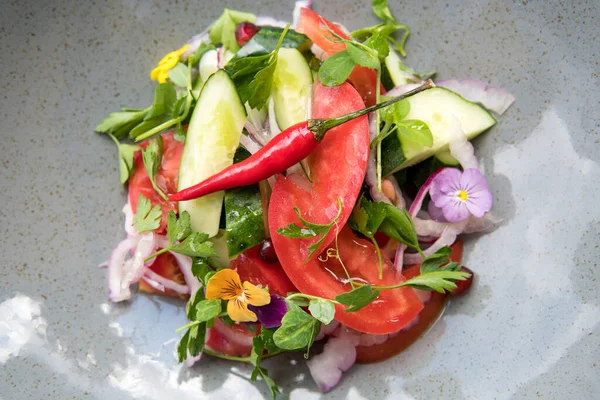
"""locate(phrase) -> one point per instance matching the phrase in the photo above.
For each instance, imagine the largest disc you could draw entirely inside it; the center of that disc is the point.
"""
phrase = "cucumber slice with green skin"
(213, 136)
(266, 40)
(446, 158)
(397, 70)
(292, 84)
(243, 215)
(436, 107)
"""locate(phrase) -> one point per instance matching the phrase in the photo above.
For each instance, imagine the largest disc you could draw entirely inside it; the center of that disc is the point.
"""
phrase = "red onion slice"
(165, 283)
(493, 98)
(129, 228)
(249, 144)
(460, 147)
(447, 238)
(339, 354)
(371, 176)
(297, 7)
(400, 90)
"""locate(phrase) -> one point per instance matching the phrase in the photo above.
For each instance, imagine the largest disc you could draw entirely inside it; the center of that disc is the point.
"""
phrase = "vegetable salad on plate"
(296, 183)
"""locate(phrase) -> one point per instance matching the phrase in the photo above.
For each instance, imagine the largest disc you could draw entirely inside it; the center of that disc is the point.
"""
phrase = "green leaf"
(436, 260)
(126, 164)
(148, 124)
(196, 339)
(179, 75)
(152, 157)
(196, 245)
(299, 301)
(357, 298)
(415, 131)
(200, 268)
(223, 30)
(336, 69)
(266, 334)
(180, 103)
(322, 309)
(197, 55)
(399, 226)
(182, 347)
(439, 281)
(296, 330)
(381, 9)
(253, 76)
(379, 43)
(146, 218)
(165, 97)
(121, 122)
(362, 57)
(178, 228)
(310, 230)
(207, 310)
(179, 134)
(192, 303)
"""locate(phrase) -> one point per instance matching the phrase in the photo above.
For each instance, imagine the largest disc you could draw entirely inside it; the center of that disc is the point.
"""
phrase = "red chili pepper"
(283, 151)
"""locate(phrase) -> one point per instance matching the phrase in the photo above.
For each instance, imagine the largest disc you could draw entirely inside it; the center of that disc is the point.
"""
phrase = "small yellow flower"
(161, 72)
(226, 285)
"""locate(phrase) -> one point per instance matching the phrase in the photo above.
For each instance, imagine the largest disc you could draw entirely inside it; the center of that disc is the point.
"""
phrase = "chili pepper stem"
(320, 126)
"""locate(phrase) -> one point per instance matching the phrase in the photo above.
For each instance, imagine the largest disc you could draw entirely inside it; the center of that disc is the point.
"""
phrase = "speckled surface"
(529, 329)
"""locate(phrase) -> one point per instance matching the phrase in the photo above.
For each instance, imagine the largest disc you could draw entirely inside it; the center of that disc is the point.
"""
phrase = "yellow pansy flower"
(161, 72)
(226, 285)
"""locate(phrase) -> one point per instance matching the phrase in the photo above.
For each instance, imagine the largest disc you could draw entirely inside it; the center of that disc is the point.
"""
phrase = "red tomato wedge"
(431, 311)
(317, 28)
(166, 266)
(166, 179)
(338, 166)
(231, 340)
(251, 268)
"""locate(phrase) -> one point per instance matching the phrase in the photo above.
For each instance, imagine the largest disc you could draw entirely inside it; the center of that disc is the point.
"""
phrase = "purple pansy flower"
(271, 314)
(460, 194)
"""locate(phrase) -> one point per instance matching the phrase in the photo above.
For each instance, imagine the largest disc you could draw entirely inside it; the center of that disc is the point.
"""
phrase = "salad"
(298, 183)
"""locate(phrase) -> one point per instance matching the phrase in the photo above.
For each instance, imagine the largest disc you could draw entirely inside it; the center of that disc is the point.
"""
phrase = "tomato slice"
(253, 269)
(431, 312)
(166, 266)
(166, 179)
(231, 340)
(317, 28)
(337, 166)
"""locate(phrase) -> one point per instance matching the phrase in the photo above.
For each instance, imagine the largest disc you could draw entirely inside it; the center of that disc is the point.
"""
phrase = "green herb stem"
(308, 296)
(378, 122)
(158, 253)
(190, 325)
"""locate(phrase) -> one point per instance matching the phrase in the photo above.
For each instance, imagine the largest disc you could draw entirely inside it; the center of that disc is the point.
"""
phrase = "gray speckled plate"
(529, 328)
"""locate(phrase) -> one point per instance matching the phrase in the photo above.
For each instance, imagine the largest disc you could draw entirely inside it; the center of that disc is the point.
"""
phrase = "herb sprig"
(310, 230)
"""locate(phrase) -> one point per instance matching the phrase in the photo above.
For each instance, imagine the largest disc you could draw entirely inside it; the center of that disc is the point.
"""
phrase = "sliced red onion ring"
(327, 330)
(319, 52)
(431, 228)
(339, 354)
(273, 126)
(493, 98)
(154, 284)
(460, 147)
(249, 144)
(129, 228)
(166, 283)
(447, 238)
(299, 5)
(195, 42)
(185, 266)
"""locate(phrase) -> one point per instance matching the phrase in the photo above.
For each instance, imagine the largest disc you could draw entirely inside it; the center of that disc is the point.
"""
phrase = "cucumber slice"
(397, 70)
(220, 246)
(292, 84)
(209, 63)
(446, 158)
(436, 107)
(212, 138)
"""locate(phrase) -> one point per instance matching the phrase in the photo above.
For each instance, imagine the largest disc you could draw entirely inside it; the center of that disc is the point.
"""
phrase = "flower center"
(463, 195)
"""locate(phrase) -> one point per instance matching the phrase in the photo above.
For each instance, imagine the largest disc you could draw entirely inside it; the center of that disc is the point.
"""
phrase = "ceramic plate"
(530, 326)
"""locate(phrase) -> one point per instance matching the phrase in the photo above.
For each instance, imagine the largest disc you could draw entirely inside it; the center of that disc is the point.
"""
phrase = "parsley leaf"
(146, 218)
(126, 153)
(195, 245)
(399, 226)
(253, 75)
(256, 355)
(178, 228)
(336, 69)
(297, 331)
(357, 298)
(201, 268)
(439, 281)
(311, 230)
(152, 157)
(223, 30)
(439, 261)
(322, 309)
(121, 122)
